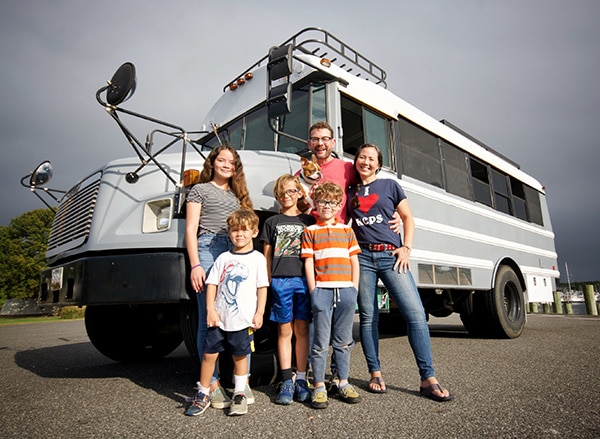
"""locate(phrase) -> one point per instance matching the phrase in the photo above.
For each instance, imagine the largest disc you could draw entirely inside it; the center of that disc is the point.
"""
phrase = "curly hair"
(237, 183)
(329, 190)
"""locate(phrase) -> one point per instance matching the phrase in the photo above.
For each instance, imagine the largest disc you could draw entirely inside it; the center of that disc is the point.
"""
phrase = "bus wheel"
(133, 333)
(472, 315)
(392, 323)
(499, 312)
(506, 305)
(189, 327)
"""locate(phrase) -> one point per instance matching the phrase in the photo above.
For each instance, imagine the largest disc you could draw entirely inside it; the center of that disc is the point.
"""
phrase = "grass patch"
(22, 320)
(66, 313)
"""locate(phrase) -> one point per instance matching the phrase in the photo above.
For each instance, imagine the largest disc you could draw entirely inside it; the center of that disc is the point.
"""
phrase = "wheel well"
(515, 267)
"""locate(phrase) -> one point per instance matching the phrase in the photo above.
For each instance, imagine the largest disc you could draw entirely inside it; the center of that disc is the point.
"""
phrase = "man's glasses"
(316, 140)
(330, 203)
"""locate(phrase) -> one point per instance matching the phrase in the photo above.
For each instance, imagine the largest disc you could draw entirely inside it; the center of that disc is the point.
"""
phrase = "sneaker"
(348, 394)
(286, 393)
(239, 405)
(319, 398)
(302, 391)
(219, 399)
(200, 402)
(249, 394)
(333, 385)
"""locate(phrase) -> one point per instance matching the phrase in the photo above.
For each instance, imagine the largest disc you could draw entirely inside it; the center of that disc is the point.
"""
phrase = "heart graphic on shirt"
(367, 202)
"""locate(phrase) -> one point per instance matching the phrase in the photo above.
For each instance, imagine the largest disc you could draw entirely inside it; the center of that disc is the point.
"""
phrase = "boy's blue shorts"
(291, 299)
(237, 343)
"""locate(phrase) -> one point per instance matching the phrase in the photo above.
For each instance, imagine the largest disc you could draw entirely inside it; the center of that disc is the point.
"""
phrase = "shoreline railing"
(560, 306)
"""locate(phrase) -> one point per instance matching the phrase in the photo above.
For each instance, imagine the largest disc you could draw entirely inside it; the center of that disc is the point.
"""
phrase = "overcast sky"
(520, 75)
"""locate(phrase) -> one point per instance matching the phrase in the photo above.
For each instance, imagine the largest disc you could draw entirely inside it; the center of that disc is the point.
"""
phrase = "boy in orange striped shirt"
(330, 252)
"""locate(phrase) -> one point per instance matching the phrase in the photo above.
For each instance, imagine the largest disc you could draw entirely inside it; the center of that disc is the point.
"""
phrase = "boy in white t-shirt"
(236, 295)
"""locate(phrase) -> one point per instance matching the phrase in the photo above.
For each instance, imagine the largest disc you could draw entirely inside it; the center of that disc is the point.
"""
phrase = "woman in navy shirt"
(384, 256)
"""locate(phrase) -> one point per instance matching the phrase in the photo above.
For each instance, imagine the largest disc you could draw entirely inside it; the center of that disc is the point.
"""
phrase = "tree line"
(23, 254)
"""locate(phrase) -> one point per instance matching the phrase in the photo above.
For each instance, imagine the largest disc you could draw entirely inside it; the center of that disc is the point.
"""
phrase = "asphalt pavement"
(543, 384)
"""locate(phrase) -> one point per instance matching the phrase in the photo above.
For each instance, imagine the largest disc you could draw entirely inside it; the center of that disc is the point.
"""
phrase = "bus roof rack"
(318, 42)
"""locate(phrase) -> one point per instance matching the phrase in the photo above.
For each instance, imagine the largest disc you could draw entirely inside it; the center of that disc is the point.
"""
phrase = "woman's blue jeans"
(333, 317)
(210, 246)
(403, 290)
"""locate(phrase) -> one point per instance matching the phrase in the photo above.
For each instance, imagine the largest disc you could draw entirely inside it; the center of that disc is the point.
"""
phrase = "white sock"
(204, 390)
(300, 376)
(240, 383)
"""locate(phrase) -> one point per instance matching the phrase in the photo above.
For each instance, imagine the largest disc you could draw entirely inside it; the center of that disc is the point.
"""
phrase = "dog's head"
(311, 171)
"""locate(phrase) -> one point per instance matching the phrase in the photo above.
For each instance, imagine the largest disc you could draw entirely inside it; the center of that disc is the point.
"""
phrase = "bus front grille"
(73, 218)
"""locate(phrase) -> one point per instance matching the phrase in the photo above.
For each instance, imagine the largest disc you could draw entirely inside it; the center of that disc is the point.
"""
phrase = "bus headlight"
(157, 215)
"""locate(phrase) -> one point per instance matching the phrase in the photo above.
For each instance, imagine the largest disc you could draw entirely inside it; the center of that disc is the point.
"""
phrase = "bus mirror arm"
(274, 128)
(120, 88)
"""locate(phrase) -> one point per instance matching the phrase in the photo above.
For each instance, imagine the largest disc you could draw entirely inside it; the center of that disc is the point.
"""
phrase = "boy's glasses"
(291, 192)
(330, 203)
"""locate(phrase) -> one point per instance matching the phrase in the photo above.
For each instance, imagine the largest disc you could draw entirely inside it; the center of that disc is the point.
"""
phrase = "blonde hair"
(242, 219)
(284, 179)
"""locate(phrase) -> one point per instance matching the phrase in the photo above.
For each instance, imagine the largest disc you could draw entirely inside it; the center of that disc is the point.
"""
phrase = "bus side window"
(456, 171)
(362, 125)
(501, 194)
(481, 182)
(421, 157)
(534, 207)
(518, 198)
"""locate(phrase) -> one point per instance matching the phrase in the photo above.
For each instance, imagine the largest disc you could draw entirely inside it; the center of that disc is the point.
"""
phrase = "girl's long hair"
(237, 183)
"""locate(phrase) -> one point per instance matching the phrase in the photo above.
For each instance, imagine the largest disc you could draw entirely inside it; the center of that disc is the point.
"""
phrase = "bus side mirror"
(122, 85)
(37, 180)
(279, 67)
(41, 175)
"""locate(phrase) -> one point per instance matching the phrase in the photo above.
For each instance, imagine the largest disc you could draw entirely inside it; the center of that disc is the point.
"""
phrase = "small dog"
(310, 177)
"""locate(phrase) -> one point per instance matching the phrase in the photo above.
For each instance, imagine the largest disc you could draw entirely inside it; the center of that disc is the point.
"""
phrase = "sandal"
(427, 392)
(377, 381)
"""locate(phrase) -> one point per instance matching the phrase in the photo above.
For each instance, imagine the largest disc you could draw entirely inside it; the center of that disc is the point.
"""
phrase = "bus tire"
(392, 323)
(189, 327)
(506, 305)
(499, 312)
(130, 333)
(264, 365)
(263, 369)
(472, 315)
